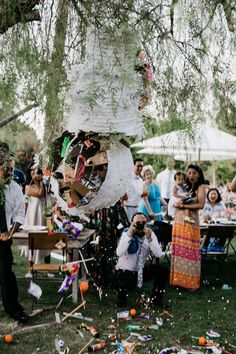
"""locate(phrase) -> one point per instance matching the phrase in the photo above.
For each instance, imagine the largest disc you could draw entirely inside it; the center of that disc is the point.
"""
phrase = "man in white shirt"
(133, 196)
(165, 179)
(134, 247)
(12, 210)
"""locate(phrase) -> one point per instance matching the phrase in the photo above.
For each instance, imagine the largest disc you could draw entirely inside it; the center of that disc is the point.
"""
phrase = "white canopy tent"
(208, 144)
(193, 156)
(205, 138)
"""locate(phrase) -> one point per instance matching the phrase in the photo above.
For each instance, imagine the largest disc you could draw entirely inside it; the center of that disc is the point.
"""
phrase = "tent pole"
(214, 173)
(199, 155)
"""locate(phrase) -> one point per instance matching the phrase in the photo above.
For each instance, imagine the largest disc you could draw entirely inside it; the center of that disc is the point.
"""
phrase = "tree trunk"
(229, 7)
(56, 73)
(15, 11)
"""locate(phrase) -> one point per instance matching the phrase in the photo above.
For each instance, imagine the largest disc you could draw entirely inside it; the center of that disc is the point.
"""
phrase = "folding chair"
(216, 244)
(42, 241)
(163, 231)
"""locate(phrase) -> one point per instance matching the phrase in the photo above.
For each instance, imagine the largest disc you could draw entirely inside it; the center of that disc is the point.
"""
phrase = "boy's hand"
(148, 234)
(132, 229)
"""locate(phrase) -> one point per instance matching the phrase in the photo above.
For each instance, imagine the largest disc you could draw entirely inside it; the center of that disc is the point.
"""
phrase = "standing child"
(179, 194)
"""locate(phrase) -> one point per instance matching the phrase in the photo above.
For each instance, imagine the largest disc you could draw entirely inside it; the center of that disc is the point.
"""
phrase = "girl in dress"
(180, 194)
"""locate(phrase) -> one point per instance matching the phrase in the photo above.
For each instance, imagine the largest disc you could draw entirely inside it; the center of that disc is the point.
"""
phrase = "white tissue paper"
(35, 290)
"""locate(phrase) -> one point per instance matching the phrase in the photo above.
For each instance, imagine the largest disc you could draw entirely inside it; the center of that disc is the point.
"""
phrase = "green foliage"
(18, 135)
(36, 57)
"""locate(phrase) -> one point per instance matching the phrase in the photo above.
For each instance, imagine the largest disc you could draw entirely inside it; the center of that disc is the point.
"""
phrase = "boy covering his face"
(133, 249)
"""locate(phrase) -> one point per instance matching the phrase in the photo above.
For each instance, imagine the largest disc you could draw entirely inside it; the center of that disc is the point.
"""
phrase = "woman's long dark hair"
(28, 174)
(201, 180)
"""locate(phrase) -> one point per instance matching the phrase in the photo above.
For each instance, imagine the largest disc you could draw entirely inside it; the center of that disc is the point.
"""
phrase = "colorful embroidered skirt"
(186, 257)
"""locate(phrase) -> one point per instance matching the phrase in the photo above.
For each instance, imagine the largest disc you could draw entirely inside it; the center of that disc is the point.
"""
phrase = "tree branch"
(16, 115)
(17, 11)
(172, 6)
(229, 7)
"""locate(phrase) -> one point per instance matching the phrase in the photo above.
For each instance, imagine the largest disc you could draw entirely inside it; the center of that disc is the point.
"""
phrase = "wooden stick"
(31, 328)
(166, 313)
(59, 303)
(70, 313)
(83, 261)
(80, 261)
(82, 297)
(86, 345)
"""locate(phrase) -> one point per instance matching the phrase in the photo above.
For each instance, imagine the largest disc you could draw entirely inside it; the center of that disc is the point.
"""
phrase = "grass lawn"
(193, 315)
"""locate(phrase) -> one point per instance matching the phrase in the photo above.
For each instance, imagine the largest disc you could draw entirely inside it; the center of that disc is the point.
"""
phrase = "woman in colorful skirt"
(186, 257)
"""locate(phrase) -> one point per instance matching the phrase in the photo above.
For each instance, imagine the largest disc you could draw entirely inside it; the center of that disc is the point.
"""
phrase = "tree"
(55, 72)
(188, 43)
(13, 12)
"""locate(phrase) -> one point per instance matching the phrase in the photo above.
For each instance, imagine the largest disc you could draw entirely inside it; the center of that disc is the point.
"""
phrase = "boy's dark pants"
(127, 281)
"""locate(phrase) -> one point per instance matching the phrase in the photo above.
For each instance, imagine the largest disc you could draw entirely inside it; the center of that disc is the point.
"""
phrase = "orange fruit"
(133, 312)
(202, 340)
(84, 285)
(8, 338)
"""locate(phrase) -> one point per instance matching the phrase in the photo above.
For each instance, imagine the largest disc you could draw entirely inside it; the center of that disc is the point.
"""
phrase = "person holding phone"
(35, 204)
(134, 247)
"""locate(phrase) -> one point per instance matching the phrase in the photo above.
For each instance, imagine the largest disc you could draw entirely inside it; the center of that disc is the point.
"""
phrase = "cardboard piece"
(74, 196)
(76, 150)
(98, 159)
(80, 188)
(76, 193)
(69, 172)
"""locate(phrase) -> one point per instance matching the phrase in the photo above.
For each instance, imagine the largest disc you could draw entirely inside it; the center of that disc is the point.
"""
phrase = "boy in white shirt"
(134, 247)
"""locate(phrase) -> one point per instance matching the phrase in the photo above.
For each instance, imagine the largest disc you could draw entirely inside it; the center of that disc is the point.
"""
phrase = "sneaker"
(29, 275)
(188, 219)
(21, 317)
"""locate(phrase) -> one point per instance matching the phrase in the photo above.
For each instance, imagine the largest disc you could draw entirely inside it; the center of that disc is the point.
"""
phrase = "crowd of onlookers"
(154, 195)
(186, 199)
(157, 195)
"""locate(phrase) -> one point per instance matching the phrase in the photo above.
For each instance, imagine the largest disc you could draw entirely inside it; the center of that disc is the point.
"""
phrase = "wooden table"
(20, 238)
